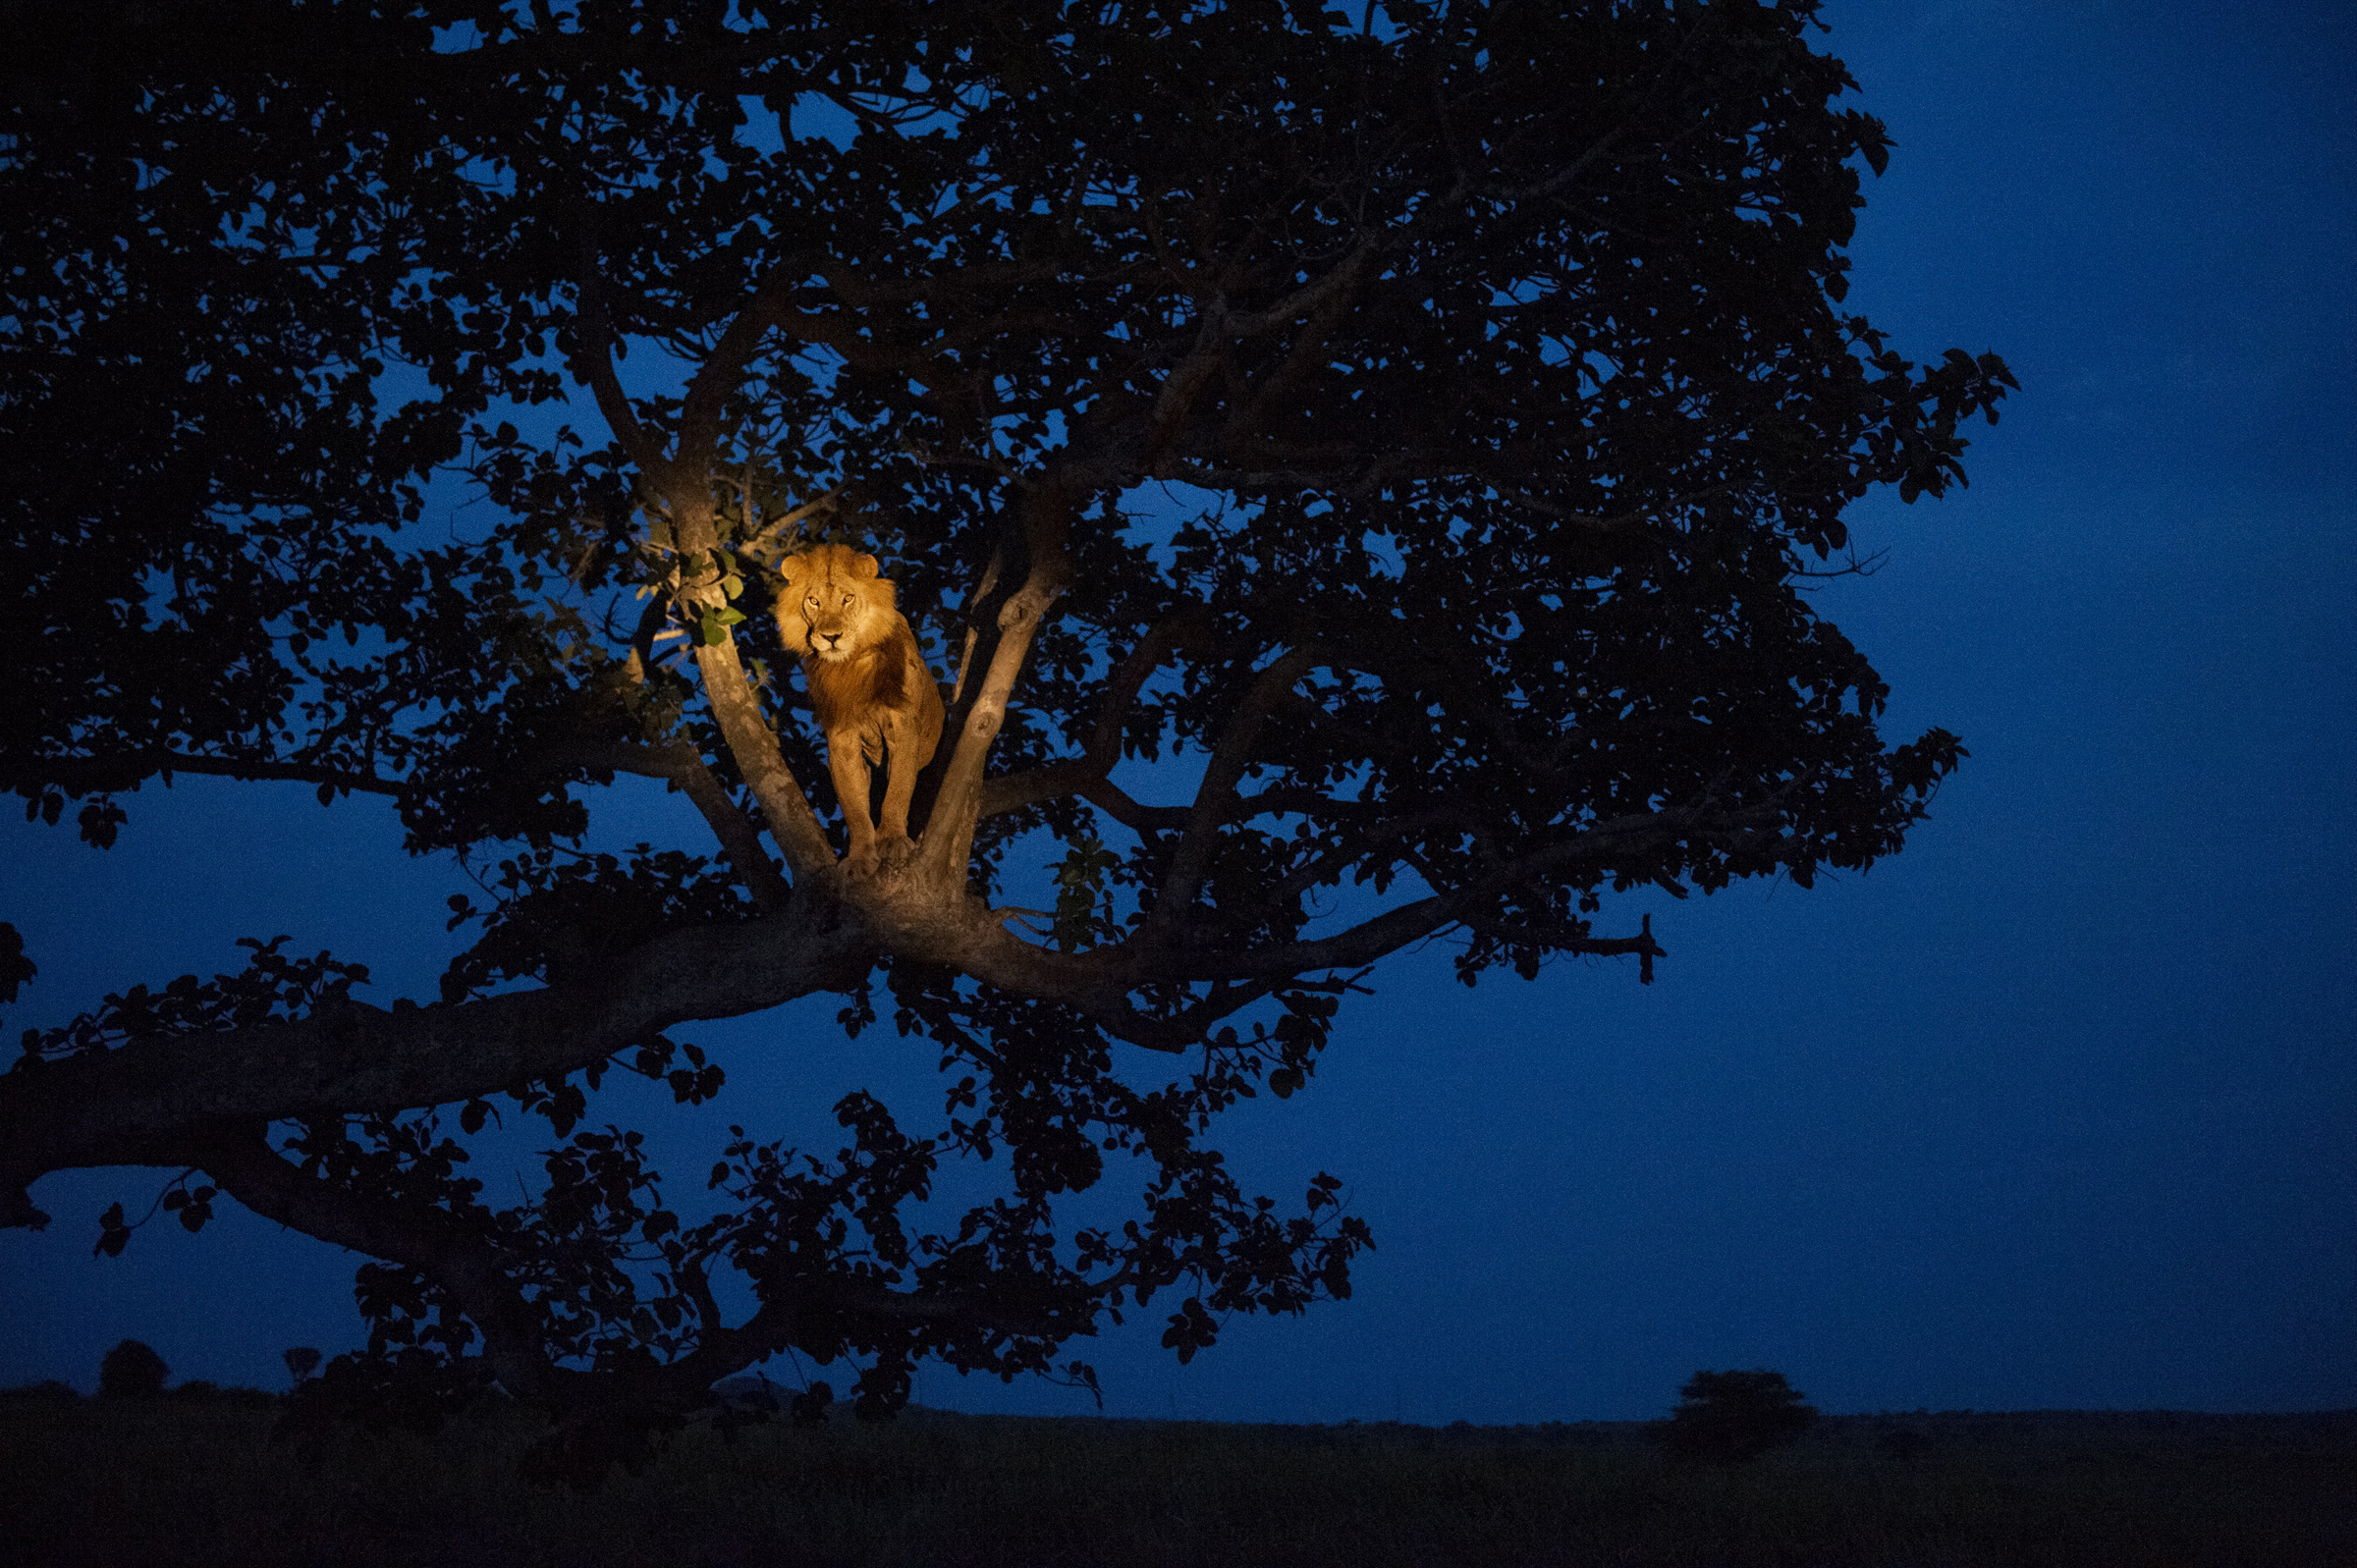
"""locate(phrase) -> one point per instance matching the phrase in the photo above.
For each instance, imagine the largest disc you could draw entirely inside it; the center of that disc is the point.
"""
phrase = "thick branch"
(1099, 982)
(950, 835)
(1096, 983)
(116, 773)
(754, 745)
(94, 1109)
(730, 694)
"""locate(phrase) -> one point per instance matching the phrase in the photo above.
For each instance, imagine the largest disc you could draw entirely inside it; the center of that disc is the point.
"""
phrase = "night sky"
(2056, 1110)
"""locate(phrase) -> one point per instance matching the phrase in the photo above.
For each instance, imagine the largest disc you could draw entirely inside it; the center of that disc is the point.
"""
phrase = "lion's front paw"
(863, 859)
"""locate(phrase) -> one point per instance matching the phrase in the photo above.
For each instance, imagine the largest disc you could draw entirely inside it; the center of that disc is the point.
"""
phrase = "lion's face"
(833, 606)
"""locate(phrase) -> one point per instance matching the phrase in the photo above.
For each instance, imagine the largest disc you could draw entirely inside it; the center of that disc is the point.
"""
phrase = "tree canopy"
(1358, 475)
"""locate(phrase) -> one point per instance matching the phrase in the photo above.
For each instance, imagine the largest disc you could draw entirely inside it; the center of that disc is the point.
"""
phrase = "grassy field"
(188, 1482)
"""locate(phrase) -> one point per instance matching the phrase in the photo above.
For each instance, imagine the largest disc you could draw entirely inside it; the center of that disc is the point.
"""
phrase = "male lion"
(875, 700)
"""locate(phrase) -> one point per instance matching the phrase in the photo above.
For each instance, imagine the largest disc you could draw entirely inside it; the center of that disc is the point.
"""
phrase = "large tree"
(1357, 471)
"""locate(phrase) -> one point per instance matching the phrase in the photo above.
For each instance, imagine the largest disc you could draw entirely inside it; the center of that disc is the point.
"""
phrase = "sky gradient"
(2056, 1110)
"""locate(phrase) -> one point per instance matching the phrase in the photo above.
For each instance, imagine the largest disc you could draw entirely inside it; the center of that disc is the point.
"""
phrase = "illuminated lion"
(875, 700)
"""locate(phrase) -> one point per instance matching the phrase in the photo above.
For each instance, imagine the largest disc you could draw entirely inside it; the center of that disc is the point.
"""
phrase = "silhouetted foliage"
(1398, 442)
(809, 1407)
(131, 1370)
(408, 1390)
(16, 970)
(1727, 1417)
(301, 1362)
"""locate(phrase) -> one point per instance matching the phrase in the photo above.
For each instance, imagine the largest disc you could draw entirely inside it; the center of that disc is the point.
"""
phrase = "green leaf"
(712, 628)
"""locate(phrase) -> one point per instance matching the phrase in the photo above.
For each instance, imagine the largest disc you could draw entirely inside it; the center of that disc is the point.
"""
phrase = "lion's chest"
(859, 694)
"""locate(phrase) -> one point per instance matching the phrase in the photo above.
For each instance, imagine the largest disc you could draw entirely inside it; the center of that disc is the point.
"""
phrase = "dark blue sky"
(2056, 1110)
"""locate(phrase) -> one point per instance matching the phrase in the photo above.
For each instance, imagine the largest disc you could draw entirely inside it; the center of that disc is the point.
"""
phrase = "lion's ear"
(793, 568)
(866, 567)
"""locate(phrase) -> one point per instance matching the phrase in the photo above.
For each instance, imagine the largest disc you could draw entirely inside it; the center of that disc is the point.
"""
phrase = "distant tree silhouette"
(1727, 1417)
(131, 1370)
(301, 1362)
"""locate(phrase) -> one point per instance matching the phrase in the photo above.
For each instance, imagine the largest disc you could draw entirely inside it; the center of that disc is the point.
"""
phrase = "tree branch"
(682, 766)
(99, 1108)
(1228, 760)
(721, 373)
(418, 1235)
(1122, 687)
(949, 841)
(754, 745)
(1566, 937)
(594, 367)
(1386, 933)
(1364, 840)
(116, 773)
(686, 490)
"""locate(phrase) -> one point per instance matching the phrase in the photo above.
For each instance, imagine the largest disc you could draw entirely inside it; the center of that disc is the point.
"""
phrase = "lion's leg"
(849, 765)
(900, 778)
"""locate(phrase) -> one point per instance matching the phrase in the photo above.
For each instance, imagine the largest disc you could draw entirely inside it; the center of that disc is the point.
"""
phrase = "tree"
(301, 1362)
(131, 1370)
(1481, 365)
(1731, 1418)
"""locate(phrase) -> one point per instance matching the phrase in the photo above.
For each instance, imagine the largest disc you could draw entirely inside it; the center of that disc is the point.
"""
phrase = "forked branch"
(1046, 513)
(682, 766)
(1085, 774)
(1217, 793)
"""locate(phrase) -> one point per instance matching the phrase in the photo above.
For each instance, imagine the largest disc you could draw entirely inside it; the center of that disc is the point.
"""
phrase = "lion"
(875, 700)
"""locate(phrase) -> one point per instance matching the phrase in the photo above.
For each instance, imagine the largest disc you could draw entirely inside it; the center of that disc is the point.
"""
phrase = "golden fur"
(875, 700)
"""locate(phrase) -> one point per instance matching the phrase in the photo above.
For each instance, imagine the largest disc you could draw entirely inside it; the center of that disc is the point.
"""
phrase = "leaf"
(113, 1234)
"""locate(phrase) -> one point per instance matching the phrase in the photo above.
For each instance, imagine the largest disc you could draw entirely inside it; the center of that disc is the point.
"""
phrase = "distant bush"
(131, 1370)
(1727, 1417)
(49, 1390)
(810, 1409)
(301, 1362)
